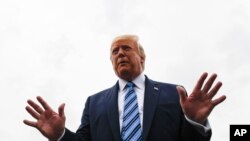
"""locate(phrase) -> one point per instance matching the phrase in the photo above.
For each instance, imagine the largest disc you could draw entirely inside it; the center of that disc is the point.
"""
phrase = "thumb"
(61, 110)
(182, 93)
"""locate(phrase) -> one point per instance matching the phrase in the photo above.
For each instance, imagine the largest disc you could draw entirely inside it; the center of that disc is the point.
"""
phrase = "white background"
(59, 49)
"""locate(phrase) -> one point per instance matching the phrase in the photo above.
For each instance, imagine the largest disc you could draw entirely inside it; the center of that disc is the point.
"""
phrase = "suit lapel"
(150, 103)
(112, 109)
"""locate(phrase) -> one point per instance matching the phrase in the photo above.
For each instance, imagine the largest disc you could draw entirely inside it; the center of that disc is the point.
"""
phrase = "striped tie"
(131, 127)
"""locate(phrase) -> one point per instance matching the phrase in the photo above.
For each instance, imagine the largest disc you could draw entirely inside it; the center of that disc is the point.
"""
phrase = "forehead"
(123, 42)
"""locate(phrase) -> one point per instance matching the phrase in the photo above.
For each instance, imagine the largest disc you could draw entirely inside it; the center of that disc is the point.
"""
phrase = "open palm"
(199, 104)
(49, 123)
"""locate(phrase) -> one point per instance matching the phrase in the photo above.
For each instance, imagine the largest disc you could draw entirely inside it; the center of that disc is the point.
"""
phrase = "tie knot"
(130, 85)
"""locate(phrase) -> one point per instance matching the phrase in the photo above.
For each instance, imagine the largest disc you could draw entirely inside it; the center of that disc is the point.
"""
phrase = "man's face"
(125, 58)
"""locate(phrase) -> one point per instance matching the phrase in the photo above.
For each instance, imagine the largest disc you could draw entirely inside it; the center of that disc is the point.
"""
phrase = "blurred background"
(59, 49)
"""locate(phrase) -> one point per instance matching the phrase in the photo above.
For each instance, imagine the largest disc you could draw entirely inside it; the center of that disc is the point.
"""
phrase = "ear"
(143, 62)
(142, 58)
(111, 59)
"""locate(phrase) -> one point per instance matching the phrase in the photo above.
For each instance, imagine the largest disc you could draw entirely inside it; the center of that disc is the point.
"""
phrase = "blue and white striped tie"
(131, 127)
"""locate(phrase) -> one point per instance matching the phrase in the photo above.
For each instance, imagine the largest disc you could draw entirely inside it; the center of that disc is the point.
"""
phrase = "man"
(136, 108)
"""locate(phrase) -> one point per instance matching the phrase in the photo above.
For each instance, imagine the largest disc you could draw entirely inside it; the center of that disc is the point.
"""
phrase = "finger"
(30, 123)
(182, 93)
(61, 110)
(43, 103)
(200, 82)
(209, 83)
(35, 106)
(214, 90)
(32, 112)
(218, 100)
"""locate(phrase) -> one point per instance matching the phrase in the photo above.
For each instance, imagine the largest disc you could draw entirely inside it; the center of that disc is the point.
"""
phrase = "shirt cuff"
(203, 129)
(61, 136)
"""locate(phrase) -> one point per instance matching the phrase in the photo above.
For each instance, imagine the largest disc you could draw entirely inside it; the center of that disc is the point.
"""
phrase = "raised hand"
(49, 123)
(198, 105)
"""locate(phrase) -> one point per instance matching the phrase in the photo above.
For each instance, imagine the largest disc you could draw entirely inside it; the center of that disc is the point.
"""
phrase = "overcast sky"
(59, 49)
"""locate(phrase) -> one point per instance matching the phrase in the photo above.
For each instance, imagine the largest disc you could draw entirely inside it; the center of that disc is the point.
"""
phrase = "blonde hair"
(135, 39)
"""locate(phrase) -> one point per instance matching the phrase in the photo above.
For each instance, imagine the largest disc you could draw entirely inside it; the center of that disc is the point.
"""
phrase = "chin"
(125, 74)
(123, 69)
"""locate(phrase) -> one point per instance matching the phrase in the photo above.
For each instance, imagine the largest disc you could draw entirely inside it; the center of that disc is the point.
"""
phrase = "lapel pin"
(156, 88)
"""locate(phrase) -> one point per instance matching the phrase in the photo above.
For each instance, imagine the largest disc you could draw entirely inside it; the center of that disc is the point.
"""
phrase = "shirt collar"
(139, 82)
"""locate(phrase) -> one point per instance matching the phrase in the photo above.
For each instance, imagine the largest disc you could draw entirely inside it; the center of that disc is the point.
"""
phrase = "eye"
(114, 51)
(126, 48)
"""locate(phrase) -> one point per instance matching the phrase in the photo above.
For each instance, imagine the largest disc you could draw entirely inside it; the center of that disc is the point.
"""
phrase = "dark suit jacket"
(163, 119)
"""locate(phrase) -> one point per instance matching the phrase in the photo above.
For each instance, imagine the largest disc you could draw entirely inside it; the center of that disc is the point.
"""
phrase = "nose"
(120, 52)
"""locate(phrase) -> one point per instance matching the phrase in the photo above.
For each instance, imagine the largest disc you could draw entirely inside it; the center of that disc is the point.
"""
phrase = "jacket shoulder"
(167, 91)
(163, 84)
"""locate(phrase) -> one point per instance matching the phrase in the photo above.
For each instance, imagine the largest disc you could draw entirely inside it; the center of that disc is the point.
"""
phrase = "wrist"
(58, 136)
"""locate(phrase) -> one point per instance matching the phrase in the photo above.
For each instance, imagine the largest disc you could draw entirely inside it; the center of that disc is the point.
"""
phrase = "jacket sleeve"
(189, 133)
